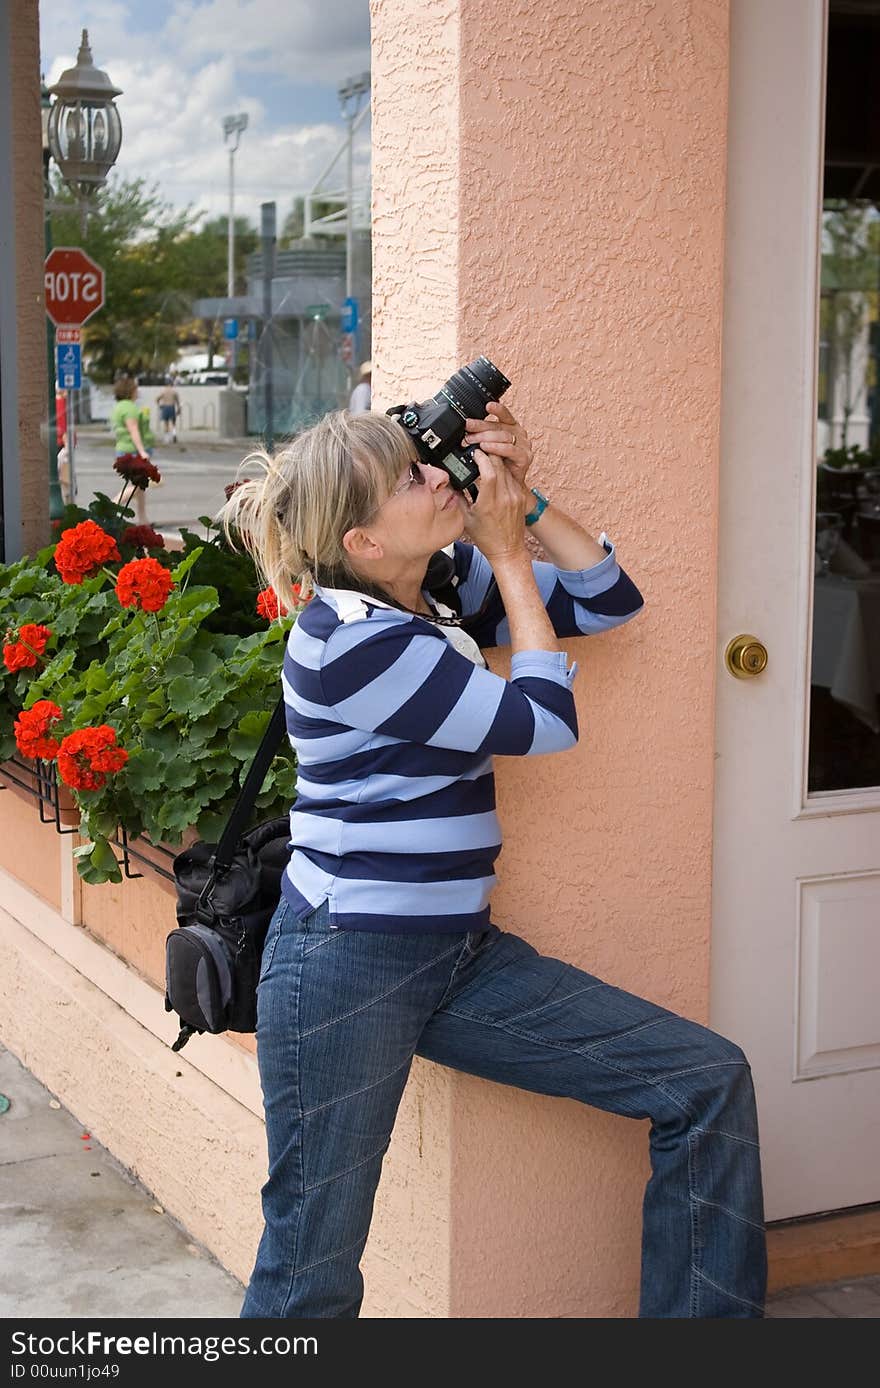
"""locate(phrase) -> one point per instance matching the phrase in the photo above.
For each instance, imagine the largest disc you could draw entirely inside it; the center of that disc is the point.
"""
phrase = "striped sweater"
(394, 729)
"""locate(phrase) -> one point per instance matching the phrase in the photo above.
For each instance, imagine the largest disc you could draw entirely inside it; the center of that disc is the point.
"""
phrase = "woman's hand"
(494, 522)
(501, 436)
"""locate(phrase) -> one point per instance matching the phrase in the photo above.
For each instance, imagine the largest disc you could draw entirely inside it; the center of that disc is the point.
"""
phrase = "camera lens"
(470, 389)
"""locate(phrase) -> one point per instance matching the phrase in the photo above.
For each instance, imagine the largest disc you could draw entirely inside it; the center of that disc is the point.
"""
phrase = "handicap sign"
(69, 365)
(230, 329)
(349, 315)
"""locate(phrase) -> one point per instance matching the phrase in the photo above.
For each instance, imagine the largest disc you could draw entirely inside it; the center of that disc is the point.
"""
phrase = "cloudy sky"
(185, 64)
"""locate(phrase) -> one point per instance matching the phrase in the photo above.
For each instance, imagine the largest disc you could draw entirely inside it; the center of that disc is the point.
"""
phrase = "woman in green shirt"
(131, 429)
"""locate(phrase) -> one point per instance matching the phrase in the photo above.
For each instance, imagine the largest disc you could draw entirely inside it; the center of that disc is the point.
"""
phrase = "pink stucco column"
(549, 190)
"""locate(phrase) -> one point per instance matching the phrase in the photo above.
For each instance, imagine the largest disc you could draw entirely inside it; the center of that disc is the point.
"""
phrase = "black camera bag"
(226, 896)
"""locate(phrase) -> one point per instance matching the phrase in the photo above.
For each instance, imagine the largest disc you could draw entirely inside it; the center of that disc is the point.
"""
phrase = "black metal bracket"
(122, 841)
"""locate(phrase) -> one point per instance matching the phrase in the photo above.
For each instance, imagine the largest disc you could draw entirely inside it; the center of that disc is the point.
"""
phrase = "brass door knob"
(745, 657)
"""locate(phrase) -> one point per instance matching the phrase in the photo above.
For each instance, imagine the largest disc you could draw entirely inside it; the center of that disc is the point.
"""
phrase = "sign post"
(74, 286)
(230, 334)
(68, 370)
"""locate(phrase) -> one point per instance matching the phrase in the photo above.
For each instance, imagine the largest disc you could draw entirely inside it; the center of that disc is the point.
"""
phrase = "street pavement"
(194, 473)
(82, 1237)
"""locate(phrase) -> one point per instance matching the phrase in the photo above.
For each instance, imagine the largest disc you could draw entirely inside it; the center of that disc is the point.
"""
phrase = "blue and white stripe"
(394, 730)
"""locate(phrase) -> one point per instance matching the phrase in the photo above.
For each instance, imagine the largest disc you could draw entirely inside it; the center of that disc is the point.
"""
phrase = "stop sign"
(74, 286)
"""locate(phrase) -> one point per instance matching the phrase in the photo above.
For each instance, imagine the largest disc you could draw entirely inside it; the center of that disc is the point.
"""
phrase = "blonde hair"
(331, 478)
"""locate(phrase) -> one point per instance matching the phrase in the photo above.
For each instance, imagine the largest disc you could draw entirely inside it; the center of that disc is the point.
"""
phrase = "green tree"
(849, 296)
(156, 260)
(131, 234)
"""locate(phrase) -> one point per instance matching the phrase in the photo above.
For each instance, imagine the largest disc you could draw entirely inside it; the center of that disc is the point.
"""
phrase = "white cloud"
(108, 23)
(176, 93)
(312, 40)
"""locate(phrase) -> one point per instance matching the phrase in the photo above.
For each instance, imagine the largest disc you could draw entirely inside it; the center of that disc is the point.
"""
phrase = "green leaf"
(178, 666)
(179, 773)
(183, 568)
(96, 677)
(176, 814)
(144, 772)
(205, 661)
(100, 864)
(210, 825)
(247, 735)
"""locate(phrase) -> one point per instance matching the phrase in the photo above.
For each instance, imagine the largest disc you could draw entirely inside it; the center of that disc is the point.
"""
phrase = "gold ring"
(513, 441)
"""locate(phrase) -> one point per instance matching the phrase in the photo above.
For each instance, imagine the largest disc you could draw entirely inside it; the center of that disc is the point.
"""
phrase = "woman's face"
(422, 514)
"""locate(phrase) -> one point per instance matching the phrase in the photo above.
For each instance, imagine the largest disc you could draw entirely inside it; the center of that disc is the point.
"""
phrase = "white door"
(796, 928)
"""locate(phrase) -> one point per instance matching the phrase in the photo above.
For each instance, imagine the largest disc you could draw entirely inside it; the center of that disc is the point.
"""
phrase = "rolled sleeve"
(543, 665)
(588, 583)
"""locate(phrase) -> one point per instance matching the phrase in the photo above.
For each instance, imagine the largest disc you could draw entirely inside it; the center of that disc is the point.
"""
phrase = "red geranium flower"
(142, 537)
(24, 652)
(268, 605)
(85, 758)
(144, 583)
(138, 470)
(82, 550)
(32, 729)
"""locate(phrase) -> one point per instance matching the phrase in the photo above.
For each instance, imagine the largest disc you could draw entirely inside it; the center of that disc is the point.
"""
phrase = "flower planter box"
(36, 783)
(29, 846)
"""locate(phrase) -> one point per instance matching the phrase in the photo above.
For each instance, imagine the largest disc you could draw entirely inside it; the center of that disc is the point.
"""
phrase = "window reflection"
(844, 705)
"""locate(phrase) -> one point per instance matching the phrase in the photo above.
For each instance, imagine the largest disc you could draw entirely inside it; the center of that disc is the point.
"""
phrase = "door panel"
(796, 906)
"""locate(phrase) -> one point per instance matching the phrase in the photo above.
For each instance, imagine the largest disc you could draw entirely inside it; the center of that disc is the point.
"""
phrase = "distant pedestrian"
(169, 410)
(131, 428)
(64, 478)
(362, 394)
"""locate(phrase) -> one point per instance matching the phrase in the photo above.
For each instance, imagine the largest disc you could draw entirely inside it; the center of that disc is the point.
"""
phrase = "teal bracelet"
(537, 513)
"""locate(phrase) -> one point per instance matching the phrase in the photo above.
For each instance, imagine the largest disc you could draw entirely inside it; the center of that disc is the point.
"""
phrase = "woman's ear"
(359, 544)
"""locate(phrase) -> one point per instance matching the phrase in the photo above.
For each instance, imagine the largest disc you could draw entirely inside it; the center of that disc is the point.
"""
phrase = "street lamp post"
(56, 501)
(82, 132)
(84, 129)
(233, 128)
(350, 94)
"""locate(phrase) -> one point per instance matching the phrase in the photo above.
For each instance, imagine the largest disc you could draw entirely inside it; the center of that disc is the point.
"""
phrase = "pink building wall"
(28, 249)
(549, 190)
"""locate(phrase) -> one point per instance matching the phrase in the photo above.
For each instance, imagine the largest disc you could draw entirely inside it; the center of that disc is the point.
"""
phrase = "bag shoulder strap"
(241, 810)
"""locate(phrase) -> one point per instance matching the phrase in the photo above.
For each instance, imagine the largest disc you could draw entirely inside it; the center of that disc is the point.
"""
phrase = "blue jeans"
(340, 1016)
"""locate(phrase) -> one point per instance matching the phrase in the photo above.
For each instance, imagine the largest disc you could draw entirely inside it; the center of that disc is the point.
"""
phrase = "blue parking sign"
(69, 365)
(349, 315)
(230, 329)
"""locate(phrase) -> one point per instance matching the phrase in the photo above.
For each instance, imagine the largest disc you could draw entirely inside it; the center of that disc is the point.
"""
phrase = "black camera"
(437, 426)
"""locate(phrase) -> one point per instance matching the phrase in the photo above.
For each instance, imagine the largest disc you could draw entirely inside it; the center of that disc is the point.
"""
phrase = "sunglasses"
(415, 479)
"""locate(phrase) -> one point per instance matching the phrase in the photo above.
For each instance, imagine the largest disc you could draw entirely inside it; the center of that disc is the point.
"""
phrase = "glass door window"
(845, 676)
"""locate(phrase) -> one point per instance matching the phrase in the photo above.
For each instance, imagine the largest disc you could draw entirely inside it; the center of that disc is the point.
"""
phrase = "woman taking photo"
(383, 947)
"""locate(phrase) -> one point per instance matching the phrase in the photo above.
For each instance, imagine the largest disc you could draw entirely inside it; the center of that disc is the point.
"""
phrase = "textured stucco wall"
(548, 188)
(27, 192)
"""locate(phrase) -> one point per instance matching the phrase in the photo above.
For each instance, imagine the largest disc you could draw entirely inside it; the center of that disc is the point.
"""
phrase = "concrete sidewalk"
(81, 1237)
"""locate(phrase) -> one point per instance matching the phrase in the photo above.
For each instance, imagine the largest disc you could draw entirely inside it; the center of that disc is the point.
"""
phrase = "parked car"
(205, 378)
